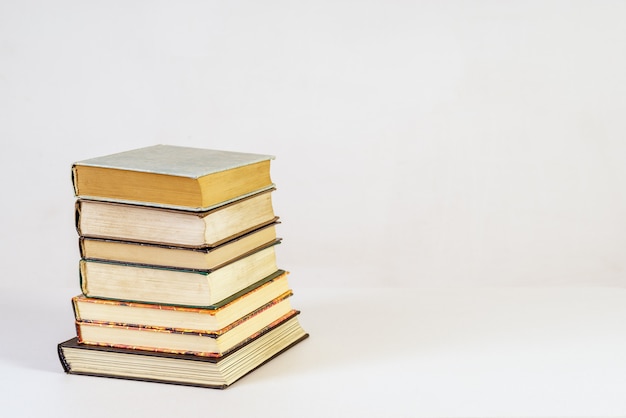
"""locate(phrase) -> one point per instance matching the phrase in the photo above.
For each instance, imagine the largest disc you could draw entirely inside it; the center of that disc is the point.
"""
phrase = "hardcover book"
(172, 316)
(172, 176)
(204, 258)
(186, 341)
(97, 219)
(168, 286)
(83, 359)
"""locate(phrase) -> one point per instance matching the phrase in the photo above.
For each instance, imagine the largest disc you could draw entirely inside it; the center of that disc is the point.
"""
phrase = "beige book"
(109, 280)
(96, 219)
(179, 257)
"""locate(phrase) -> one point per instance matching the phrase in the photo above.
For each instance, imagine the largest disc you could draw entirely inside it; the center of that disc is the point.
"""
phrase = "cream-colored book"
(97, 219)
(176, 256)
(169, 286)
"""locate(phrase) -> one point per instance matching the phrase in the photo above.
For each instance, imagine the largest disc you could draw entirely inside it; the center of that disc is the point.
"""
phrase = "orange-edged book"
(172, 176)
(204, 371)
(182, 340)
(179, 317)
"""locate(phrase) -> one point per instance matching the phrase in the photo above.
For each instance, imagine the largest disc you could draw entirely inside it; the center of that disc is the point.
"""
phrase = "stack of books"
(178, 268)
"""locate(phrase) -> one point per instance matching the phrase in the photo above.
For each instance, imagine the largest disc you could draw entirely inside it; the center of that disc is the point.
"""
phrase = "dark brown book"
(182, 369)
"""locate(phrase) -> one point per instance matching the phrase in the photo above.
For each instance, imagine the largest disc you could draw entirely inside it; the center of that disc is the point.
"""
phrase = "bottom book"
(183, 369)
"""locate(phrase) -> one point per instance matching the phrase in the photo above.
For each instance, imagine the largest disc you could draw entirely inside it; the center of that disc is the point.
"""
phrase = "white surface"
(517, 352)
(447, 142)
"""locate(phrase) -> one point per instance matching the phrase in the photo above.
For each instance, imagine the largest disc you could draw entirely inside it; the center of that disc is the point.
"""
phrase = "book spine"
(77, 217)
(75, 309)
(78, 331)
(83, 278)
(75, 179)
(81, 246)
(64, 363)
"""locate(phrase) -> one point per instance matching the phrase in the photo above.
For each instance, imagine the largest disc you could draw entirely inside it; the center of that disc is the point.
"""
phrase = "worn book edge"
(213, 306)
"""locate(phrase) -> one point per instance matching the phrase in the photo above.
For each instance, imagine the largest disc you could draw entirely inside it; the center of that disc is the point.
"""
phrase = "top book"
(172, 177)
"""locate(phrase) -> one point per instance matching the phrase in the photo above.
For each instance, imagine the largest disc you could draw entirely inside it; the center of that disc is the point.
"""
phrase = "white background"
(419, 144)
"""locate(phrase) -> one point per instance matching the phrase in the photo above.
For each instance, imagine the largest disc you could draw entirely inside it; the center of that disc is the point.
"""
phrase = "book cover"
(172, 176)
(175, 160)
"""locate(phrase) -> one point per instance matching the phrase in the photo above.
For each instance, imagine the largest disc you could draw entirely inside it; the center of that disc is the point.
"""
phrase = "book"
(192, 370)
(169, 286)
(172, 176)
(185, 341)
(172, 316)
(204, 258)
(125, 222)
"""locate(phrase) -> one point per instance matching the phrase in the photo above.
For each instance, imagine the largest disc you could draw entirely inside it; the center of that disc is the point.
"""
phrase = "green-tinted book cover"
(216, 305)
(175, 160)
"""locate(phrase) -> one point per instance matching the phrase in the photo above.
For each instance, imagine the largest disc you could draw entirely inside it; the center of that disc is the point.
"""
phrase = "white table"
(523, 352)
